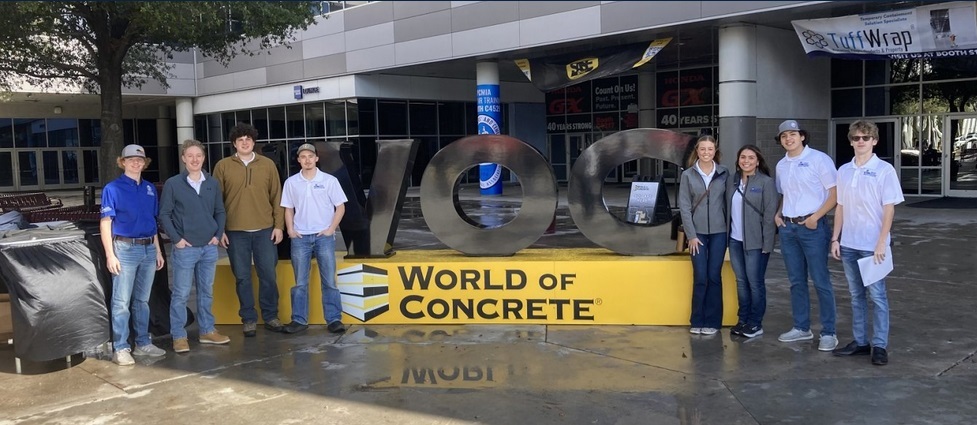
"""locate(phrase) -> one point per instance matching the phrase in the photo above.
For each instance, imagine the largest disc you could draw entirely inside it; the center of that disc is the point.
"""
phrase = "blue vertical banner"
(489, 122)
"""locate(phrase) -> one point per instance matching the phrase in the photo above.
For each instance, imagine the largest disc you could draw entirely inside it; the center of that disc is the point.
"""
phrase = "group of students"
(242, 207)
(742, 211)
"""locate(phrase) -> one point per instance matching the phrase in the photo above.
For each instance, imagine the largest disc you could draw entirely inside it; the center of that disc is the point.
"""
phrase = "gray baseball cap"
(789, 125)
(133, 150)
(306, 147)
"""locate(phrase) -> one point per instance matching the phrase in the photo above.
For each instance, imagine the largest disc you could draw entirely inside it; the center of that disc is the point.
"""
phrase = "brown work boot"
(181, 345)
(214, 338)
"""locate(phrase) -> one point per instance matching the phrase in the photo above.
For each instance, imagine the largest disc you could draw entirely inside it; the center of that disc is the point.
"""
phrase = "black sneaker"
(738, 329)
(293, 327)
(880, 357)
(336, 327)
(752, 331)
(853, 349)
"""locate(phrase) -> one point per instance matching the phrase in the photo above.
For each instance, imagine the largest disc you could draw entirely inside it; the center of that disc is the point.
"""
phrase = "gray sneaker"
(828, 343)
(795, 335)
(123, 358)
(149, 350)
(250, 329)
(275, 325)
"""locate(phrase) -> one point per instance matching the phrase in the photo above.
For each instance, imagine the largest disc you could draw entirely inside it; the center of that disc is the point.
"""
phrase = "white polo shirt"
(862, 191)
(315, 201)
(804, 181)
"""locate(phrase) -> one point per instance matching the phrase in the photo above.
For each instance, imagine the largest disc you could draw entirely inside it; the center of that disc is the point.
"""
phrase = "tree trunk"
(113, 140)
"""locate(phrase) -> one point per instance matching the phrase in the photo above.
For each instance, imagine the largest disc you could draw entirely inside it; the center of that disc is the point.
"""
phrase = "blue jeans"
(193, 264)
(859, 302)
(243, 246)
(805, 253)
(750, 267)
(130, 293)
(324, 248)
(707, 281)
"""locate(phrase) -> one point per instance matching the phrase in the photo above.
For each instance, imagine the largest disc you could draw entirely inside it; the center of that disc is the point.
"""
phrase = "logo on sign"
(365, 291)
(581, 68)
(297, 92)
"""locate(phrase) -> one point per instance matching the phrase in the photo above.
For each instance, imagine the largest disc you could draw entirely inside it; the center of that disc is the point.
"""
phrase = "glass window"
(259, 119)
(147, 135)
(28, 168)
(875, 101)
(295, 121)
(315, 120)
(62, 133)
(904, 100)
(199, 129)
(69, 166)
(51, 168)
(846, 73)
(216, 152)
(948, 68)
(471, 114)
(367, 115)
(451, 118)
(423, 118)
(128, 132)
(909, 177)
(6, 134)
(352, 117)
(903, 71)
(846, 103)
(950, 97)
(243, 116)
(876, 72)
(335, 118)
(276, 123)
(392, 118)
(6, 169)
(29, 133)
(89, 159)
(228, 122)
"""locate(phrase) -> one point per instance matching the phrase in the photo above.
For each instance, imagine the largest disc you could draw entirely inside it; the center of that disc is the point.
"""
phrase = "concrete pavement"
(557, 374)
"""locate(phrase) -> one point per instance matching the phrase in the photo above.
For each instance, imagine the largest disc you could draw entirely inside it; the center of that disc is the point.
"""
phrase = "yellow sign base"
(535, 286)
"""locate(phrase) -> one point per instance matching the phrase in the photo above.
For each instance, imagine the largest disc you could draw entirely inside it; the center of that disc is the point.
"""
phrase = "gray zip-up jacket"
(710, 215)
(760, 203)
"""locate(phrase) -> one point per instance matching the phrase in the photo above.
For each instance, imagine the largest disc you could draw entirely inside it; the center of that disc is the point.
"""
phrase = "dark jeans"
(750, 267)
(707, 283)
(243, 246)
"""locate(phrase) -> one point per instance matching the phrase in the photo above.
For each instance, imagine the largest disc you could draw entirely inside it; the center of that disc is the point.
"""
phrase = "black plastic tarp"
(57, 299)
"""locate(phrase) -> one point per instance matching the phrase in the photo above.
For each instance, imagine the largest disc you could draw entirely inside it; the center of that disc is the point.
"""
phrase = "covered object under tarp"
(57, 299)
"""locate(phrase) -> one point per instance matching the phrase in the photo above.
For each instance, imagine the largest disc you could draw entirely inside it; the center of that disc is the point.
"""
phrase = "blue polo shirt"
(132, 205)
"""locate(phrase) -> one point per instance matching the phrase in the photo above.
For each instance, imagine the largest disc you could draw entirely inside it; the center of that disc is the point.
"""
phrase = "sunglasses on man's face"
(864, 138)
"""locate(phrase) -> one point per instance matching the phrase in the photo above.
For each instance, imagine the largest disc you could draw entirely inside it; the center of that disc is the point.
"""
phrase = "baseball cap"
(789, 125)
(133, 150)
(306, 147)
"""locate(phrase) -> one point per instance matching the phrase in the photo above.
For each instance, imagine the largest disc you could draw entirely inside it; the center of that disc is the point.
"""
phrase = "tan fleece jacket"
(252, 193)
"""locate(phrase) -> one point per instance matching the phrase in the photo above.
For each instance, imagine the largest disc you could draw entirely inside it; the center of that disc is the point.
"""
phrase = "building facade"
(394, 70)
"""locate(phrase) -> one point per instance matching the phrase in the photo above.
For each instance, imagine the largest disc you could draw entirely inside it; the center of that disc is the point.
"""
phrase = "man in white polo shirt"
(806, 179)
(314, 205)
(868, 191)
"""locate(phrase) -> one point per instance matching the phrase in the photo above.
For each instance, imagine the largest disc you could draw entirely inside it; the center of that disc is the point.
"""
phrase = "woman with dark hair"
(702, 202)
(752, 201)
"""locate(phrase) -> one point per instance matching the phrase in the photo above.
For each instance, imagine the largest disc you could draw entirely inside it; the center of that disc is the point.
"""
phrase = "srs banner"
(936, 30)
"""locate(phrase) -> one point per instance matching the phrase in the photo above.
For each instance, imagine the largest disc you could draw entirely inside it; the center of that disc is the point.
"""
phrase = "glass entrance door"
(960, 166)
(920, 161)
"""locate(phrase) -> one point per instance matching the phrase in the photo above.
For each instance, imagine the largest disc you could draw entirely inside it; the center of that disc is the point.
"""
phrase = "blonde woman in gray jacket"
(752, 202)
(702, 202)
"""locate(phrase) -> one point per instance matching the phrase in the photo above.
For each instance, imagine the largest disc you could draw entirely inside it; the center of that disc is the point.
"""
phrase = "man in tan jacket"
(252, 192)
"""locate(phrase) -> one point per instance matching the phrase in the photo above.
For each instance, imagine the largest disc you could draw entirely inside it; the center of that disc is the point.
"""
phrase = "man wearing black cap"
(132, 254)
(314, 205)
(806, 178)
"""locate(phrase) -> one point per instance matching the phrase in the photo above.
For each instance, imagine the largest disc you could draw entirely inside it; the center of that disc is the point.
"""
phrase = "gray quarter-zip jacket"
(759, 229)
(710, 215)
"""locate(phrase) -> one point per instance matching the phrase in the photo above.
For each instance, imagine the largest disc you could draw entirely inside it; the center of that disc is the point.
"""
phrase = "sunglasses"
(863, 138)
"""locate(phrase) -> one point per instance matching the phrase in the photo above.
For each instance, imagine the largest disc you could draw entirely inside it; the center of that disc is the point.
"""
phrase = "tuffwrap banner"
(931, 31)
(553, 73)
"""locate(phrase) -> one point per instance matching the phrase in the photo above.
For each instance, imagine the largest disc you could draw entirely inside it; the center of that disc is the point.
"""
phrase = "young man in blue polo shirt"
(314, 205)
(132, 254)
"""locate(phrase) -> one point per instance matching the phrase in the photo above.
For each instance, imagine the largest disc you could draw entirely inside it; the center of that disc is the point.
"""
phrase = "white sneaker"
(149, 350)
(709, 331)
(123, 358)
(795, 335)
(695, 331)
(828, 343)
